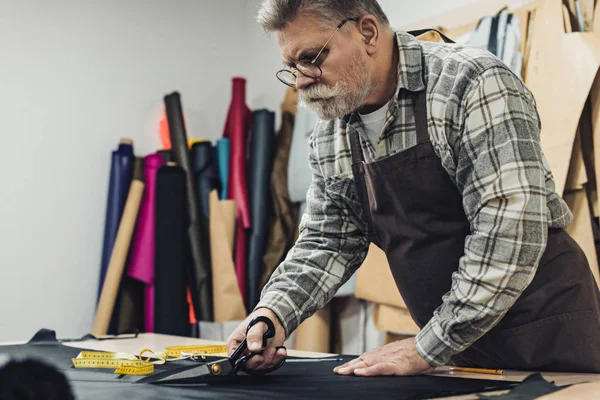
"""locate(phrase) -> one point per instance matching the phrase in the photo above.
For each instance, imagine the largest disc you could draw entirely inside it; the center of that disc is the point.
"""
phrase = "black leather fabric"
(292, 381)
(171, 314)
(261, 161)
(198, 235)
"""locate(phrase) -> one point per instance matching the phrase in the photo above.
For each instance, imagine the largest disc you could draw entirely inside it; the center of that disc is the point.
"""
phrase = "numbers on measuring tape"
(133, 370)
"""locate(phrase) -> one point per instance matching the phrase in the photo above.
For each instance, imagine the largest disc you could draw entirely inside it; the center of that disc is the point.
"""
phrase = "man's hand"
(397, 358)
(271, 356)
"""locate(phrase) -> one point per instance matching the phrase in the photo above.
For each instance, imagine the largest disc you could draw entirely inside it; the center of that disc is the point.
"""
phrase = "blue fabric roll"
(223, 152)
(205, 173)
(121, 172)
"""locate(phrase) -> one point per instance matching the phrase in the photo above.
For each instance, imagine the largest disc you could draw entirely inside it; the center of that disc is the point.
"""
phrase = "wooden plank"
(560, 73)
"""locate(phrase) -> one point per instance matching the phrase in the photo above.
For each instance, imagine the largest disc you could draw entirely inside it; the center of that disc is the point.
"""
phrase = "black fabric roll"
(167, 155)
(198, 233)
(206, 173)
(261, 161)
(129, 307)
(171, 314)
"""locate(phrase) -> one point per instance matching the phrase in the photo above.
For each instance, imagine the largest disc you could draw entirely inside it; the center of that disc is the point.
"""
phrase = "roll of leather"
(198, 232)
(261, 161)
(236, 129)
(223, 151)
(172, 256)
(227, 299)
(118, 257)
(206, 173)
(167, 155)
(141, 266)
(129, 310)
(121, 170)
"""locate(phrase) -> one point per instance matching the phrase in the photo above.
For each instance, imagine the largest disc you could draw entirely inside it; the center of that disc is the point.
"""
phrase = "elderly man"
(432, 152)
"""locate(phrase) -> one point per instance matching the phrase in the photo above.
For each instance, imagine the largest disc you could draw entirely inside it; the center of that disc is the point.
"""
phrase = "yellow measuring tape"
(130, 364)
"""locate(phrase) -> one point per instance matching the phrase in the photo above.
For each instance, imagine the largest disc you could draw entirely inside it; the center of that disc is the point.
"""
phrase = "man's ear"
(369, 29)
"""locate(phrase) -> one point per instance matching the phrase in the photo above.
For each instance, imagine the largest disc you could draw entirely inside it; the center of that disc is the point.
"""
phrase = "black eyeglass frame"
(313, 62)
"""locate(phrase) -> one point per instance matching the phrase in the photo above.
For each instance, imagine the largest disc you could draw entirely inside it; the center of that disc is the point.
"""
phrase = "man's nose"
(303, 81)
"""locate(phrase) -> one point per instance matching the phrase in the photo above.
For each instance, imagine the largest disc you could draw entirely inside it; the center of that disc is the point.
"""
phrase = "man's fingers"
(231, 345)
(255, 337)
(350, 368)
(255, 362)
(346, 365)
(377, 369)
(279, 355)
(269, 354)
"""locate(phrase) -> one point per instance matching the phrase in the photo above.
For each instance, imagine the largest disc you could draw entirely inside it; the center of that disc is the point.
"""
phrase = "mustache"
(320, 91)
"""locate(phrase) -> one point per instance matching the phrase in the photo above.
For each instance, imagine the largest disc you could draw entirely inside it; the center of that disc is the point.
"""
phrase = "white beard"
(338, 100)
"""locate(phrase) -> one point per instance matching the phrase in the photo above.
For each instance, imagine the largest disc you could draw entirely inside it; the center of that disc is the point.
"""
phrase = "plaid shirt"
(484, 126)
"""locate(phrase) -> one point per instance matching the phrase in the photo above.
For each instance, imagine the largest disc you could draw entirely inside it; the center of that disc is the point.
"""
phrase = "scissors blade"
(194, 372)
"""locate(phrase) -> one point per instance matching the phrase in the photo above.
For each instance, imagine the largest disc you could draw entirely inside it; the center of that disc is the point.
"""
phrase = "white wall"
(75, 77)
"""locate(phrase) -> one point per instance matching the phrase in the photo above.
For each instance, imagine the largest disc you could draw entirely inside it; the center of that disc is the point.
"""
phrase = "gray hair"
(274, 15)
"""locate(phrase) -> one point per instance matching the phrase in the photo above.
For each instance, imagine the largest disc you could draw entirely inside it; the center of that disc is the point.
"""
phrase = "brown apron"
(415, 215)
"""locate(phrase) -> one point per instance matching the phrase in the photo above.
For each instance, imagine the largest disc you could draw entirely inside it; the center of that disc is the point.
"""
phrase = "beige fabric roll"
(227, 299)
(118, 258)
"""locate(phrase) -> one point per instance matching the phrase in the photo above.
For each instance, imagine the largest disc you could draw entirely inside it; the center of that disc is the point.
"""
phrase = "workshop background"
(154, 169)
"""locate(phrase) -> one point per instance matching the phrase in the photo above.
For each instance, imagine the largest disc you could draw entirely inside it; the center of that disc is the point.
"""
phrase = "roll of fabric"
(205, 173)
(118, 257)
(284, 213)
(236, 129)
(223, 151)
(141, 266)
(129, 310)
(121, 170)
(198, 233)
(261, 161)
(171, 256)
(167, 155)
(227, 300)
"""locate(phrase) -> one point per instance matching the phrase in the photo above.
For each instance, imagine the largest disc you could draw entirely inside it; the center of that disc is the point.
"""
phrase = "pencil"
(478, 370)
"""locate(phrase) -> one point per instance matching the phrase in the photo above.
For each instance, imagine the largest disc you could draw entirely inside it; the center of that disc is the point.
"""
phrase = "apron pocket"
(565, 343)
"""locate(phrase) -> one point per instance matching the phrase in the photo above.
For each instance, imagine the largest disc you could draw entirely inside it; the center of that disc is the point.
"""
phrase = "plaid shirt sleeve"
(500, 173)
(329, 249)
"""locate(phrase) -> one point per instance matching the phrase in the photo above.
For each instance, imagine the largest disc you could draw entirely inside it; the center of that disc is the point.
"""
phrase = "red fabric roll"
(237, 127)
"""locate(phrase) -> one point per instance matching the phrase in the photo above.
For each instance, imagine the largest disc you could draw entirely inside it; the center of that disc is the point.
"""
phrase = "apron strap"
(419, 32)
(420, 110)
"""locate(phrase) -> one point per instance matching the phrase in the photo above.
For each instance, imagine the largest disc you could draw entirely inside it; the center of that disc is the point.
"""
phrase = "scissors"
(224, 367)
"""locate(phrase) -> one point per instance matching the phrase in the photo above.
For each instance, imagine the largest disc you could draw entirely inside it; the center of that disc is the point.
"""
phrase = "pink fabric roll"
(142, 256)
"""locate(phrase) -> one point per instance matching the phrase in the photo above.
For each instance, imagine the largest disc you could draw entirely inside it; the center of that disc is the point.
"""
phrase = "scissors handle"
(243, 346)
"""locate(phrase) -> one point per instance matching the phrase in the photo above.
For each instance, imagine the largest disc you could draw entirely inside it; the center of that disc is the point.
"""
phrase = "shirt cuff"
(433, 345)
(280, 304)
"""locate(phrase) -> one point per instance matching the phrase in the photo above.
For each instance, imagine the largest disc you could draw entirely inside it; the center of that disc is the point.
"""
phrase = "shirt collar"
(410, 62)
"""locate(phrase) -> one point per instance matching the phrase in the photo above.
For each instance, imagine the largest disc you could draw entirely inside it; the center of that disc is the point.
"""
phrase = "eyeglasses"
(308, 69)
